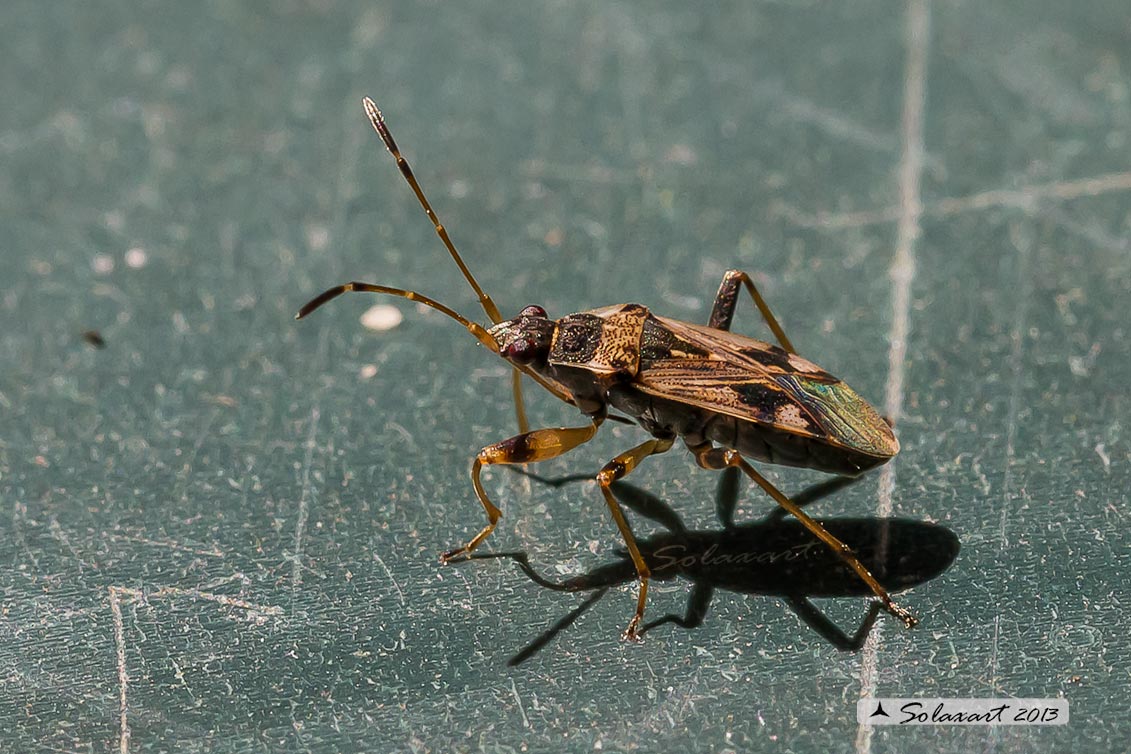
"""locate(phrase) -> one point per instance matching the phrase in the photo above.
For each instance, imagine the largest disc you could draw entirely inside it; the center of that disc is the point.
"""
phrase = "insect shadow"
(774, 556)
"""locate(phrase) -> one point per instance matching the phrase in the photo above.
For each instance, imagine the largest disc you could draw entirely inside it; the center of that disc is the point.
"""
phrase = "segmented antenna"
(378, 122)
(474, 328)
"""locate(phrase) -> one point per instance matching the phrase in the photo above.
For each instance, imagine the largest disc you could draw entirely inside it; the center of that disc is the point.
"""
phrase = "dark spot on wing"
(764, 400)
(658, 342)
(770, 356)
(771, 404)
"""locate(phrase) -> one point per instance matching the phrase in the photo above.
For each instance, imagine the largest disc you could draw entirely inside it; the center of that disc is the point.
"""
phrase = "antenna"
(475, 329)
(378, 121)
(481, 334)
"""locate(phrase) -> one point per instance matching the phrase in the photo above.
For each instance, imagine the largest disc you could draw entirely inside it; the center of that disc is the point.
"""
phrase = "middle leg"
(618, 468)
(519, 404)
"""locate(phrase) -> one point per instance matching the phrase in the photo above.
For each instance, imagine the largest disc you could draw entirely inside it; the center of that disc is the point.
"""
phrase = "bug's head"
(525, 340)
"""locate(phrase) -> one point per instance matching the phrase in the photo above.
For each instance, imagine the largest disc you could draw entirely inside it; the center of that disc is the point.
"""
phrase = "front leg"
(528, 447)
(725, 300)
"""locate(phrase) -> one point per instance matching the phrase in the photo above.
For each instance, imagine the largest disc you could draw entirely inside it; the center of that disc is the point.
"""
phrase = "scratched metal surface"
(220, 530)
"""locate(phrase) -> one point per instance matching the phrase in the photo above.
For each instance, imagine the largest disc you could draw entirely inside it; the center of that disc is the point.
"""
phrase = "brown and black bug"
(728, 397)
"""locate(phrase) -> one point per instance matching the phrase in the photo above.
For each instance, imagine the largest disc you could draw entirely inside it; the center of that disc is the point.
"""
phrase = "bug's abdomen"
(661, 416)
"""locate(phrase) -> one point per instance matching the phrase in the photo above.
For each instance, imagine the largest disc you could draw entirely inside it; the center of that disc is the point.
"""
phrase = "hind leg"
(710, 457)
(727, 298)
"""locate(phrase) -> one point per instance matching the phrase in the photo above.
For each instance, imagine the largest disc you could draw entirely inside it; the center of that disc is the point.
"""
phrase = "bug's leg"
(519, 404)
(832, 633)
(528, 447)
(616, 469)
(698, 603)
(722, 313)
(710, 457)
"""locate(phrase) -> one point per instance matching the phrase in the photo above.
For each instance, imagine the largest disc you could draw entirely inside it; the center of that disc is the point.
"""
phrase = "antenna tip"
(378, 121)
(371, 109)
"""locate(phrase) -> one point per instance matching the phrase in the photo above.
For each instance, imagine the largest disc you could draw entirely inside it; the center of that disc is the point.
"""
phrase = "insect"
(727, 397)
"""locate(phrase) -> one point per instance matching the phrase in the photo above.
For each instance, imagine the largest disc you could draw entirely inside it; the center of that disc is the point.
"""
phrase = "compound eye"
(533, 311)
(520, 351)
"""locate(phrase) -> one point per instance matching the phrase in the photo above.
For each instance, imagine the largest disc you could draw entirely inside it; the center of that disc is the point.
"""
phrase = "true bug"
(726, 396)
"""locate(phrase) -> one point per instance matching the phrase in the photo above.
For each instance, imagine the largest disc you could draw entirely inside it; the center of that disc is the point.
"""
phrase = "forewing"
(730, 374)
(757, 357)
(728, 388)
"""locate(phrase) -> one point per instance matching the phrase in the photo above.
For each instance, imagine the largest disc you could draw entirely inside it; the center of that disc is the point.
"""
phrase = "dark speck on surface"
(94, 338)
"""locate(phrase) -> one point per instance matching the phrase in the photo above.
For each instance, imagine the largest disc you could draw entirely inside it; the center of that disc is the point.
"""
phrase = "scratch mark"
(1027, 198)
(19, 513)
(179, 674)
(220, 599)
(834, 123)
(392, 578)
(303, 502)
(237, 576)
(406, 437)
(631, 50)
(167, 543)
(123, 674)
(467, 585)
(61, 537)
(1101, 451)
(1022, 243)
(902, 272)
(518, 701)
(601, 175)
(1094, 233)
(190, 461)
(116, 593)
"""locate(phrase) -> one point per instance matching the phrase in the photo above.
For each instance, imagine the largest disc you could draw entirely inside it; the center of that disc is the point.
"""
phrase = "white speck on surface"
(1101, 451)
(681, 154)
(115, 221)
(1081, 366)
(368, 29)
(102, 264)
(317, 237)
(381, 317)
(180, 324)
(179, 77)
(367, 372)
(136, 258)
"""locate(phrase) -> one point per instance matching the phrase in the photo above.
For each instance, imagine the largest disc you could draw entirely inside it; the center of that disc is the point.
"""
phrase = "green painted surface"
(230, 520)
